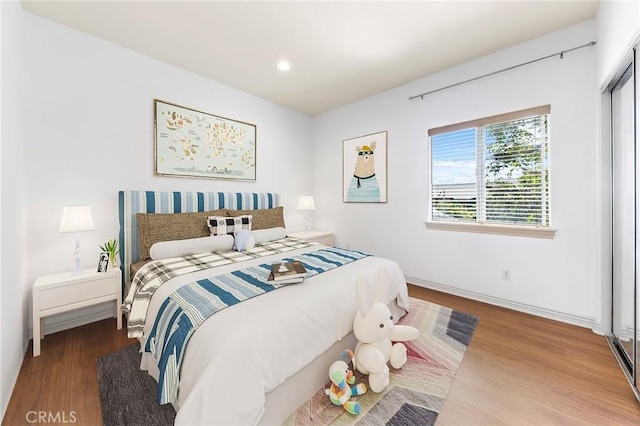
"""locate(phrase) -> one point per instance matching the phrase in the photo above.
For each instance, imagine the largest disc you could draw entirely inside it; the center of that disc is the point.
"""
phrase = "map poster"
(191, 143)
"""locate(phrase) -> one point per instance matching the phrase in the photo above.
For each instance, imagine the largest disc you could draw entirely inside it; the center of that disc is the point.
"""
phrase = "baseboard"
(8, 385)
(67, 320)
(516, 306)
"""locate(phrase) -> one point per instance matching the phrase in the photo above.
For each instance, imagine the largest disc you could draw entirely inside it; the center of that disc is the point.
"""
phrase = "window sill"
(485, 228)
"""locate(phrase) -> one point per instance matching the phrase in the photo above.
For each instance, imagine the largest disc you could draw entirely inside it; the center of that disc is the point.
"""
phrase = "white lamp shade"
(76, 219)
(306, 203)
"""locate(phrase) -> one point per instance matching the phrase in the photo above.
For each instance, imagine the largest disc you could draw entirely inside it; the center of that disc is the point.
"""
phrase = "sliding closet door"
(625, 209)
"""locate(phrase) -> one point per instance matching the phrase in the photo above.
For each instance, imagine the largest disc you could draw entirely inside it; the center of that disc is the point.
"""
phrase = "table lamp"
(306, 203)
(76, 219)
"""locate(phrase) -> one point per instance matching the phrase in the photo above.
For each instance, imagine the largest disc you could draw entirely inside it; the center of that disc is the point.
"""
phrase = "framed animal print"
(364, 169)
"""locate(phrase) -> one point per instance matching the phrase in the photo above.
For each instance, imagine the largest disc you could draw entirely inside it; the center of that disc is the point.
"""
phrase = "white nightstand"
(54, 294)
(322, 237)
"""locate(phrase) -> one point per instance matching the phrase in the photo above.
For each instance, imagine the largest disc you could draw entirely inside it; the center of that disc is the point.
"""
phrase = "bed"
(254, 362)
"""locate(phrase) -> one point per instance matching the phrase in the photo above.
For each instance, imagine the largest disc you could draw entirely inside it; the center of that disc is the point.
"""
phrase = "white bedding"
(245, 351)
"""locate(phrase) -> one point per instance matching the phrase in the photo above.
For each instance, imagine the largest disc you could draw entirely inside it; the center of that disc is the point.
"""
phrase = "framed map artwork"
(191, 143)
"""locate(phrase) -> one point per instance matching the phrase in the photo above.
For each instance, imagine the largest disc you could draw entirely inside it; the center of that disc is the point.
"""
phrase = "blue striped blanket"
(187, 308)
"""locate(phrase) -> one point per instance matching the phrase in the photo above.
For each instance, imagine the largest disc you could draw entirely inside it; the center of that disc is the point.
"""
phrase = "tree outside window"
(492, 170)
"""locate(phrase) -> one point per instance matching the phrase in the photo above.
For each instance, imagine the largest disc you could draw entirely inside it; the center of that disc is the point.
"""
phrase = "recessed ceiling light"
(284, 66)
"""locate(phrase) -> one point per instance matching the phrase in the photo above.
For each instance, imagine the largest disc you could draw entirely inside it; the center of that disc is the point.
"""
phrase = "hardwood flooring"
(525, 370)
(519, 370)
(61, 385)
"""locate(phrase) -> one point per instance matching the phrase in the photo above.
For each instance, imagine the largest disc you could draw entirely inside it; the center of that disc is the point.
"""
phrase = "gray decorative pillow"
(157, 227)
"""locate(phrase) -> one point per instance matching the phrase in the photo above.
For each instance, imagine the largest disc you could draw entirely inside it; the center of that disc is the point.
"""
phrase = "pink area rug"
(417, 391)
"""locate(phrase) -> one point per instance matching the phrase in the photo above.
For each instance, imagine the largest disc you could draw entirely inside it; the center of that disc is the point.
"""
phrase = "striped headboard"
(132, 202)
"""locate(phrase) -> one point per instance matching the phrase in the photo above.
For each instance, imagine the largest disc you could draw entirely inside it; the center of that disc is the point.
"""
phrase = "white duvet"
(244, 352)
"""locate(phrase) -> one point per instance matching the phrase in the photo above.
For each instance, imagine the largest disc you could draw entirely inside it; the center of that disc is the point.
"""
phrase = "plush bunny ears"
(367, 295)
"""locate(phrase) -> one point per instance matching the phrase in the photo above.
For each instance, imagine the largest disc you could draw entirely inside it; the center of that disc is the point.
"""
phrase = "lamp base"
(77, 271)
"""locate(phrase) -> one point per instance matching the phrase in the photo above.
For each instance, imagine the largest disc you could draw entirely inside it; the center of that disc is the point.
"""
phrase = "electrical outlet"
(506, 275)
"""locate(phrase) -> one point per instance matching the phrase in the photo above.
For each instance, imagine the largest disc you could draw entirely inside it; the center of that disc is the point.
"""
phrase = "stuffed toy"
(341, 377)
(243, 240)
(374, 329)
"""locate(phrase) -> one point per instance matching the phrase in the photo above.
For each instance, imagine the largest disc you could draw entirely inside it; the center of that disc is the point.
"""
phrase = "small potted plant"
(111, 247)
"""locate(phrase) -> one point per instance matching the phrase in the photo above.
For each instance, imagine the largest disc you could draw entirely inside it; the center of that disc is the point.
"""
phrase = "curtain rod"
(561, 54)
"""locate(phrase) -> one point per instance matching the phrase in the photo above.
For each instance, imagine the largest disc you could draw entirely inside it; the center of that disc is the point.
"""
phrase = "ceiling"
(339, 52)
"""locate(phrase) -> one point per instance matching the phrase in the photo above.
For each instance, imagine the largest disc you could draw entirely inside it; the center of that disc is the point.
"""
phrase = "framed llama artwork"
(364, 169)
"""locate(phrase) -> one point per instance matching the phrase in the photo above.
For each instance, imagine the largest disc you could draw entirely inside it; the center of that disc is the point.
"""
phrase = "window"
(492, 174)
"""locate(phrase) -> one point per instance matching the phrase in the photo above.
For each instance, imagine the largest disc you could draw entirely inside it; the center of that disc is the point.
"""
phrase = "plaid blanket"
(153, 274)
(188, 307)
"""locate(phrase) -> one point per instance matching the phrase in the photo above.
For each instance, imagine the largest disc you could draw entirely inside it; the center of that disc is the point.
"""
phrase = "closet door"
(625, 206)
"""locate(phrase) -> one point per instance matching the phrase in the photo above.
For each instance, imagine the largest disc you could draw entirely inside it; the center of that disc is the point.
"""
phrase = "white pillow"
(177, 248)
(269, 234)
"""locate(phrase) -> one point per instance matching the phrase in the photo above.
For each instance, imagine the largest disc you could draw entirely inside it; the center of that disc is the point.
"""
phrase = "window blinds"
(492, 170)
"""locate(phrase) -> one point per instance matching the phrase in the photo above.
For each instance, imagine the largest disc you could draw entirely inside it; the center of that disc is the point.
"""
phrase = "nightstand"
(322, 237)
(54, 294)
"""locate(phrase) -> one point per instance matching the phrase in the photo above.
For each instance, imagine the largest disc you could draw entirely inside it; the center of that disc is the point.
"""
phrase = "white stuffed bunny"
(374, 329)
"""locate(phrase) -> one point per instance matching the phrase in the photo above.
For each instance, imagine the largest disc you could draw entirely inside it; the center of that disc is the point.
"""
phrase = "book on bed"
(285, 281)
(287, 272)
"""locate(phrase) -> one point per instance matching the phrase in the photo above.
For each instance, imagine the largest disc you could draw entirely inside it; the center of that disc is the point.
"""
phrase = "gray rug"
(128, 394)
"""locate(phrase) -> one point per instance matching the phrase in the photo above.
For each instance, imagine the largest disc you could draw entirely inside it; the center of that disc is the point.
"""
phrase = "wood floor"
(524, 370)
(61, 384)
(518, 370)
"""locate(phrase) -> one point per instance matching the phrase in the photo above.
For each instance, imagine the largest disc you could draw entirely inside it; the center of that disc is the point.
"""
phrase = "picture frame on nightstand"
(103, 262)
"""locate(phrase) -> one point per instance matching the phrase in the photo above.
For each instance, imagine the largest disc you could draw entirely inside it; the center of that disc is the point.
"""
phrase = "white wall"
(13, 285)
(79, 130)
(618, 29)
(89, 133)
(553, 278)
